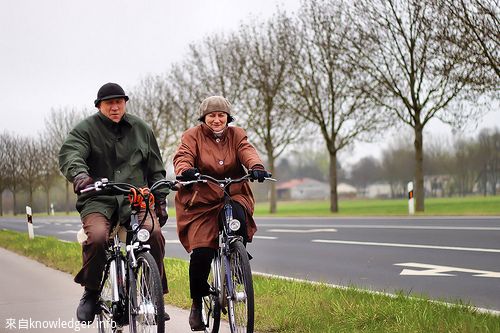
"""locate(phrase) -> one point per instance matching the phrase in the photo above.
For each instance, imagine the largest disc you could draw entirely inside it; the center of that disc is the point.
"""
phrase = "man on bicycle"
(121, 147)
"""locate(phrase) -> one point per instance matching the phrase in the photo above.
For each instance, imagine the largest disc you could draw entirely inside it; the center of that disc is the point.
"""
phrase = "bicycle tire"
(241, 303)
(105, 322)
(146, 306)
(210, 304)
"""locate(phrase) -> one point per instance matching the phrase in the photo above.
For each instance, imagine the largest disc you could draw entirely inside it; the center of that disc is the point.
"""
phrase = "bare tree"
(473, 28)
(13, 160)
(4, 138)
(58, 124)
(404, 55)
(267, 78)
(49, 168)
(29, 165)
(330, 90)
(365, 172)
(152, 101)
(487, 149)
(397, 168)
(216, 65)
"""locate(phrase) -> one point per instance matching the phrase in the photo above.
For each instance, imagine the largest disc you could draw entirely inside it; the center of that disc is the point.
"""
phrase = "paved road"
(447, 258)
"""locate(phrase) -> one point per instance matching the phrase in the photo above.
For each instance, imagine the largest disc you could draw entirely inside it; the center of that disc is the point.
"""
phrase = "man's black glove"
(190, 174)
(161, 211)
(259, 175)
(81, 181)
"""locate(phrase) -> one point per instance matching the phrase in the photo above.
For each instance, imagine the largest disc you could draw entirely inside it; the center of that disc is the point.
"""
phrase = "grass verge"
(476, 205)
(290, 306)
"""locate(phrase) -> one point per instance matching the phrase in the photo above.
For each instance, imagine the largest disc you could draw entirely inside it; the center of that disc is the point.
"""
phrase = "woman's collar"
(209, 132)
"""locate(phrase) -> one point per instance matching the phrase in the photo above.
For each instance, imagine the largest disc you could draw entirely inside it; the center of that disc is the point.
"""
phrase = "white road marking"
(265, 237)
(376, 226)
(417, 246)
(305, 231)
(68, 232)
(172, 241)
(437, 270)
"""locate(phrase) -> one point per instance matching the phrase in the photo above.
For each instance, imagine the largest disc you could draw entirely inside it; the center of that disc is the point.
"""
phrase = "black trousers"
(201, 258)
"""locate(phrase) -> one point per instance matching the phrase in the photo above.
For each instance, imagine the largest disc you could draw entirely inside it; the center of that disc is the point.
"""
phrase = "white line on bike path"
(417, 246)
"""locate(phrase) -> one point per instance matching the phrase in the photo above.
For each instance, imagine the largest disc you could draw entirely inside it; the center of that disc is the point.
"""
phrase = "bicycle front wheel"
(210, 305)
(105, 323)
(241, 302)
(146, 307)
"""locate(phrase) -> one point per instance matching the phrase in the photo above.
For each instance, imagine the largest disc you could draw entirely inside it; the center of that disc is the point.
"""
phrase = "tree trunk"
(334, 208)
(67, 197)
(419, 169)
(14, 199)
(30, 197)
(272, 188)
(47, 199)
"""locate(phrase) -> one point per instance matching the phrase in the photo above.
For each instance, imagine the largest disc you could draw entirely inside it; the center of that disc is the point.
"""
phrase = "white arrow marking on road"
(437, 270)
(305, 231)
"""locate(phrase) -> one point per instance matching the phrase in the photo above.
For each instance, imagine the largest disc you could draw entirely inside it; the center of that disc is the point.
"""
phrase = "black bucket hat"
(110, 91)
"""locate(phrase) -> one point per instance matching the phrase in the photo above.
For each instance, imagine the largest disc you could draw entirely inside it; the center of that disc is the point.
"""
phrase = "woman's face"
(217, 121)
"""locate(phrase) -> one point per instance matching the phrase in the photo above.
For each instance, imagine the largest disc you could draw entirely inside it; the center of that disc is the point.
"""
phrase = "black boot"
(88, 305)
(195, 319)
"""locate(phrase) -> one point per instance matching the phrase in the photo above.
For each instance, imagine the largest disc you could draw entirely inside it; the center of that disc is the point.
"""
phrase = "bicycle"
(230, 279)
(131, 291)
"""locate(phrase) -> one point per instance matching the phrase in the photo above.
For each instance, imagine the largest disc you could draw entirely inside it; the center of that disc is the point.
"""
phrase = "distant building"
(311, 189)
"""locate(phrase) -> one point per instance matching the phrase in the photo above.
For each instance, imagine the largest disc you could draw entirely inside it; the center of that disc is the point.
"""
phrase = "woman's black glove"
(81, 181)
(190, 174)
(161, 211)
(259, 175)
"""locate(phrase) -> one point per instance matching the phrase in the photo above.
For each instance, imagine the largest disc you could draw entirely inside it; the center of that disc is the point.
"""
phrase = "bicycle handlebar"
(222, 182)
(104, 183)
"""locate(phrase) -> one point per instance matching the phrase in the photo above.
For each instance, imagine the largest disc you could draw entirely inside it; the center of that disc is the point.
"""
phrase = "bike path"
(39, 299)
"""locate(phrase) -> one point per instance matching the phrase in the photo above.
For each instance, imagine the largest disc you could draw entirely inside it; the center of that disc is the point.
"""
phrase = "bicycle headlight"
(143, 235)
(234, 225)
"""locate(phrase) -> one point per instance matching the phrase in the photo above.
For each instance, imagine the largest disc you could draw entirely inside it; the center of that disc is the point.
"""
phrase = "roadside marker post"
(411, 205)
(29, 215)
(52, 209)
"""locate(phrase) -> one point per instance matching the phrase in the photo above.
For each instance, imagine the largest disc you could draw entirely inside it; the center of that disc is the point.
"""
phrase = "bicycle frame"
(225, 289)
(123, 304)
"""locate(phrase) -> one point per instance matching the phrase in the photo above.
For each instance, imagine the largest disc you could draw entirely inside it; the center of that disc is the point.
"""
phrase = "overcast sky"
(56, 53)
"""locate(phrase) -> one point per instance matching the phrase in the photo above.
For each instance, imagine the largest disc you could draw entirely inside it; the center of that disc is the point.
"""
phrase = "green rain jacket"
(123, 152)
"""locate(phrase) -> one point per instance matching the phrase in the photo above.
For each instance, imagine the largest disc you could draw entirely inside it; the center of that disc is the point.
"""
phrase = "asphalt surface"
(444, 258)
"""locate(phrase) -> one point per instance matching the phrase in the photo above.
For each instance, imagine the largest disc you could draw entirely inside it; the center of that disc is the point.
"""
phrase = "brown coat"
(197, 206)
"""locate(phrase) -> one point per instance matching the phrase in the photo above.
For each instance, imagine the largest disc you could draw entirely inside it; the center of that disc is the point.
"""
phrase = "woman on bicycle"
(218, 150)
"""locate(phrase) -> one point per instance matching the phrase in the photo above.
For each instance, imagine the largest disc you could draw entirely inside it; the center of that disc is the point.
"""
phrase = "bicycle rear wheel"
(210, 304)
(146, 307)
(241, 302)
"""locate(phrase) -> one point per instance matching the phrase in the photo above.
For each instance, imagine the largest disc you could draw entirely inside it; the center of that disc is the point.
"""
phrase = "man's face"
(114, 108)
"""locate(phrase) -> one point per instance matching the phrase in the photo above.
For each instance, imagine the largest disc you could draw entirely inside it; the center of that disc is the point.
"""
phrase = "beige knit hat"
(215, 104)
